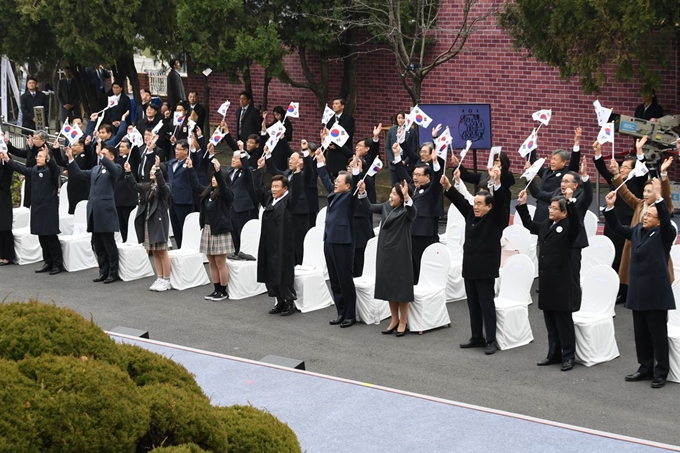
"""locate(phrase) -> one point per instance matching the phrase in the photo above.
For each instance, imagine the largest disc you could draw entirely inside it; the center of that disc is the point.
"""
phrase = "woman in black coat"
(7, 255)
(394, 266)
(152, 221)
(216, 242)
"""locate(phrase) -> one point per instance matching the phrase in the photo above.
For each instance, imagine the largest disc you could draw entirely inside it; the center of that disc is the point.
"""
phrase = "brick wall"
(488, 71)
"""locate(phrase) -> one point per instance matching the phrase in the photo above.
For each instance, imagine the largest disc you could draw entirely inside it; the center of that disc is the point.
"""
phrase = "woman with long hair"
(152, 221)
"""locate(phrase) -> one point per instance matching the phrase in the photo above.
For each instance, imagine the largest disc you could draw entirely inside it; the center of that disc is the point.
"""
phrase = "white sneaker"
(164, 285)
(154, 286)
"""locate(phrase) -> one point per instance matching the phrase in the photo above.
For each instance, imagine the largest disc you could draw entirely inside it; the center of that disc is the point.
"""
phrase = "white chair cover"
(455, 230)
(65, 219)
(674, 336)
(590, 222)
(26, 246)
(21, 217)
(310, 281)
(63, 198)
(133, 260)
(428, 310)
(594, 322)
(369, 309)
(515, 238)
(455, 285)
(321, 218)
(77, 247)
(600, 252)
(187, 266)
(454, 240)
(515, 220)
(675, 256)
(243, 274)
(512, 312)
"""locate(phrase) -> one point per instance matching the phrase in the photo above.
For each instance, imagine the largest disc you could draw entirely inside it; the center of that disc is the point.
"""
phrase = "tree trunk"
(88, 93)
(348, 88)
(265, 90)
(247, 82)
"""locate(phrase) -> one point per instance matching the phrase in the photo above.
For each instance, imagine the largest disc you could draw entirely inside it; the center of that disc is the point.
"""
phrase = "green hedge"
(66, 386)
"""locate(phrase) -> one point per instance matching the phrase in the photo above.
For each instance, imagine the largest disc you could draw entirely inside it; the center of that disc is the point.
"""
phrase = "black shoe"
(246, 257)
(491, 348)
(219, 295)
(474, 343)
(289, 309)
(45, 268)
(336, 321)
(389, 331)
(402, 333)
(210, 296)
(233, 257)
(115, 278)
(6, 263)
(347, 323)
(658, 383)
(101, 278)
(56, 270)
(278, 308)
(547, 361)
(568, 365)
(637, 376)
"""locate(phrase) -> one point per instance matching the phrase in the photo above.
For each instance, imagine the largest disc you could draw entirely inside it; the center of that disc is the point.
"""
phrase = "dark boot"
(289, 308)
(279, 307)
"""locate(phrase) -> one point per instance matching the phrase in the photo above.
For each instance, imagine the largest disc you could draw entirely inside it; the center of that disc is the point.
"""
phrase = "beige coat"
(637, 204)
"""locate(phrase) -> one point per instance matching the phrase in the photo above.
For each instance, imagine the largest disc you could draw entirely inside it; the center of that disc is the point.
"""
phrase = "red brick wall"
(488, 71)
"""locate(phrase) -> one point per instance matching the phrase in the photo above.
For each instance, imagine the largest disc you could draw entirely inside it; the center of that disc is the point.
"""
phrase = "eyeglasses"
(553, 208)
(647, 214)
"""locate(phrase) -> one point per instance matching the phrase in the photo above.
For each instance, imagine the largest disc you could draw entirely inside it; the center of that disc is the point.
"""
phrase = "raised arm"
(455, 197)
(523, 212)
(323, 172)
(613, 221)
(538, 193)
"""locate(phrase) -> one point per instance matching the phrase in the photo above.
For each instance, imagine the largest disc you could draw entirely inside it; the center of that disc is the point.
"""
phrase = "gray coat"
(394, 265)
(102, 216)
(45, 202)
(157, 216)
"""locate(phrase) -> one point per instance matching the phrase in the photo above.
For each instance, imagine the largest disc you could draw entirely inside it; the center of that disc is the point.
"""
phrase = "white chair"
(515, 240)
(21, 215)
(512, 304)
(428, 310)
(77, 247)
(590, 222)
(594, 322)
(321, 218)
(674, 336)
(534, 238)
(187, 266)
(369, 309)
(515, 220)
(26, 246)
(243, 274)
(133, 260)
(65, 219)
(675, 256)
(454, 240)
(310, 282)
(600, 252)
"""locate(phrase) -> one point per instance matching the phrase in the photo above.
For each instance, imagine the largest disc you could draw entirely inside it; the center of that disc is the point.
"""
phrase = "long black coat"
(45, 205)
(6, 206)
(158, 218)
(649, 287)
(125, 195)
(556, 287)
(29, 155)
(394, 263)
(276, 254)
(77, 189)
(102, 216)
(550, 180)
(175, 89)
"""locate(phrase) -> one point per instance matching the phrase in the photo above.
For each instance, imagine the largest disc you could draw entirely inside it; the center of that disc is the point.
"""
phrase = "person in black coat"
(551, 177)
(394, 134)
(556, 297)
(152, 222)
(68, 96)
(126, 197)
(363, 219)
(102, 217)
(150, 119)
(182, 193)
(336, 156)
(282, 151)
(248, 118)
(175, 86)
(116, 114)
(650, 295)
(34, 144)
(393, 277)
(31, 98)
(45, 206)
(198, 109)
(216, 226)
(276, 253)
(312, 190)
(649, 108)
(481, 257)
(77, 190)
(338, 239)
(7, 254)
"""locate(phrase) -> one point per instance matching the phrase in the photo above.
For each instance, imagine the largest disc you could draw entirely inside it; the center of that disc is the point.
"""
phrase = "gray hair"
(42, 135)
(430, 145)
(564, 155)
(347, 175)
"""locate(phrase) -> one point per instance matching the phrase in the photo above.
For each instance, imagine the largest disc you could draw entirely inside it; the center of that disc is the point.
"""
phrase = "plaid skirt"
(215, 244)
(157, 245)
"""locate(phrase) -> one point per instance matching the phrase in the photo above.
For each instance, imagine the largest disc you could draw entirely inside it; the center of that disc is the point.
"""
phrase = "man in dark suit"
(69, 97)
(338, 240)
(175, 86)
(126, 197)
(150, 120)
(557, 298)
(182, 194)
(34, 144)
(194, 106)
(140, 110)
(248, 119)
(650, 295)
(393, 135)
(31, 98)
(312, 190)
(243, 208)
(99, 78)
(115, 114)
(481, 257)
(102, 217)
(551, 177)
(147, 157)
(84, 156)
(336, 156)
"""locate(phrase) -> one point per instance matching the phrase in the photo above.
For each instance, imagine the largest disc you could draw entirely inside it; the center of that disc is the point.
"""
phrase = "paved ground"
(431, 364)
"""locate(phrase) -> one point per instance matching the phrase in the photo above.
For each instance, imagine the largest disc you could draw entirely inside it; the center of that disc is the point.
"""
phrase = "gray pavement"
(430, 364)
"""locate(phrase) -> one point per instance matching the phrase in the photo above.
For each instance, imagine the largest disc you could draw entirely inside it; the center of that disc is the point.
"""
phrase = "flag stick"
(173, 132)
(539, 127)
(613, 150)
(357, 189)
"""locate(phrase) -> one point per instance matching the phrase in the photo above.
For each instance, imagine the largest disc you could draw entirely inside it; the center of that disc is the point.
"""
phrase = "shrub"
(31, 329)
(17, 178)
(17, 430)
(184, 448)
(251, 430)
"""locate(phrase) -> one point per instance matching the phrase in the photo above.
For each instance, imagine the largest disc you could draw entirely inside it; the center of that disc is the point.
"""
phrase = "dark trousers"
(418, 246)
(123, 218)
(51, 248)
(561, 335)
(340, 263)
(238, 220)
(105, 248)
(300, 228)
(480, 294)
(7, 245)
(576, 277)
(651, 342)
(179, 212)
(359, 253)
(281, 292)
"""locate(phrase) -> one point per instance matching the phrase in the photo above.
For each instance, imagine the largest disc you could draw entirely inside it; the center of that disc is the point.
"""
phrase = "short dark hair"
(247, 94)
(561, 202)
(254, 137)
(127, 142)
(505, 161)
(278, 109)
(427, 170)
(575, 176)
(630, 159)
(366, 142)
(397, 189)
(341, 99)
(117, 82)
(193, 91)
(283, 179)
(172, 62)
(299, 153)
(112, 150)
(31, 78)
(106, 128)
(488, 198)
(183, 143)
(153, 106)
(311, 146)
(184, 104)
(347, 175)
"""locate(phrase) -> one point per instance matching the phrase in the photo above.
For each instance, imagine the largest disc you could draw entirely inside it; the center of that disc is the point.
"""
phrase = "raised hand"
(527, 164)
(240, 145)
(304, 144)
(456, 175)
(216, 164)
(656, 185)
(224, 126)
(211, 149)
(614, 167)
(444, 181)
(640, 142)
(361, 185)
(666, 164)
(522, 197)
(320, 158)
(610, 198)
(396, 149)
(404, 190)
(376, 130)
(88, 140)
(436, 129)
(94, 116)
(597, 148)
(568, 193)
(260, 162)
(578, 133)
(69, 153)
(454, 161)
(126, 167)
(56, 143)
(584, 168)
(4, 157)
